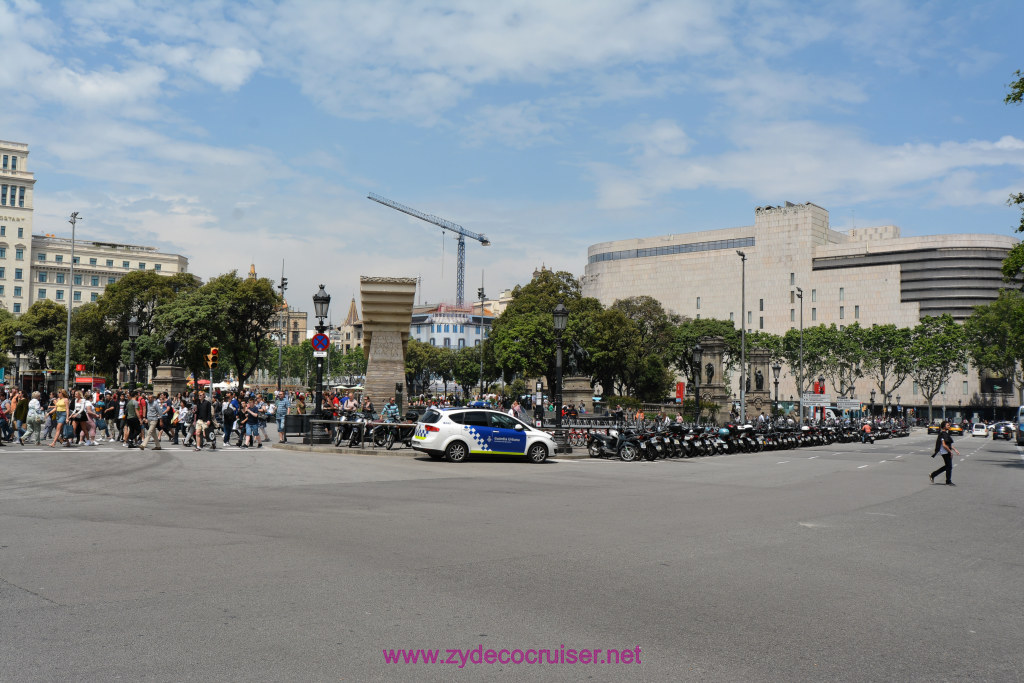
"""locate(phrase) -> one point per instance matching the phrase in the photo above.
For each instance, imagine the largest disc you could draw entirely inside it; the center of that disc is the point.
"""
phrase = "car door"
(477, 427)
(505, 438)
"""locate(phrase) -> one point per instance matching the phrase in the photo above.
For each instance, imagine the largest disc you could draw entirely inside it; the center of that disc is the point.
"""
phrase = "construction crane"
(460, 276)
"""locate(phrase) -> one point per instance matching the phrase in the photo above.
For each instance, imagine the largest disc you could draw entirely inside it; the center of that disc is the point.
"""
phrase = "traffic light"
(211, 359)
(284, 283)
(480, 293)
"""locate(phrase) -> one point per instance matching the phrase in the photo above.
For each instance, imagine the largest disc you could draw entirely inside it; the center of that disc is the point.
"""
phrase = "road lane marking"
(782, 462)
(862, 467)
(880, 462)
(899, 456)
(818, 456)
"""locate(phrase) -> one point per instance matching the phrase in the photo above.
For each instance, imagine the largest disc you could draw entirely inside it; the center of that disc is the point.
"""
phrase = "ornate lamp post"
(321, 302)
(19, 341)
(776, 369)
(821, 388)
(897, 407)
(743, 338)
(561, 318)
(133, 334)
(698, 358)
(872, 404)
(800, 295)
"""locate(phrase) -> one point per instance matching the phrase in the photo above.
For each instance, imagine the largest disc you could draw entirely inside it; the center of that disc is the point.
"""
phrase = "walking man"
(154, 411)
(203, 421)
(944, 447)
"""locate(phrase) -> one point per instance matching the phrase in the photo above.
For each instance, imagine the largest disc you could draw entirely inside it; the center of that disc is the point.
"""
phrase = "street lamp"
(872, 404)
(19, 341)
(743, 337)
(897, 403)
(561, 318)
(800, 295)
(71, 297)
(398, 396)
(133, 334)
(698, 357)
(321, 302)
(776, 369)
(821, 387)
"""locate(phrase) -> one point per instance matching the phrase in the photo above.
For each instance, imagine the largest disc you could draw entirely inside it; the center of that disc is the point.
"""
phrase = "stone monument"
(759, 398)
(576, 387)
(170, 376)
(712, 386)
(387, 314)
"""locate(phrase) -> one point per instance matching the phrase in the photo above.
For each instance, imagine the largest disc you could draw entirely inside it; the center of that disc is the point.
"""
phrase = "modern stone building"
(35, 267)
(867, 275)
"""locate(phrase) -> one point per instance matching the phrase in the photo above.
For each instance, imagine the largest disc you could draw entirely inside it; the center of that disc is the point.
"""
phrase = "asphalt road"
(839, 563)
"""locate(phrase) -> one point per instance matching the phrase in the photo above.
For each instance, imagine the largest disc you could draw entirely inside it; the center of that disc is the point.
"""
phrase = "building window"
(92, 262)
(3, 252)
(761, 305)
(156, 267)
(965, 386)
(78, 279)
(19, 253)
(60, 278)
(792, 279)
(41, 257)
(96, 295)
(42, 277)
(125, 264)
(78, 295)
(17, 308)
(792, 296)
(21, 232)
(3, 231)
(17, 291)
(17, 273)
(2, 272)
(477, 330)
(750, 317)
(111, 280)
(462, 343)
(76, 260)
(3, 195)
(792, 315)
(447, 342)
(732, 317)
(762, 322)
(110, 263)
(698, 303)
(814, 314)
(856, 312)
(1, 290)
(21, 201)
(842, 293)
(842, 311)
(698, 316)
(95, 280)
(446, 326)
(814, 295)
(914, 389)
(476, 343)
(59, 258)
(60, 295)
(42, 294)
(142, 266)
(433, 342)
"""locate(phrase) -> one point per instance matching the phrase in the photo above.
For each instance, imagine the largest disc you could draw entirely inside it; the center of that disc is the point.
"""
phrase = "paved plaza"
(833, 563)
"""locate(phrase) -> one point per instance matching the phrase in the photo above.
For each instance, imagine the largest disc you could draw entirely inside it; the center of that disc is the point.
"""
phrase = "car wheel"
(538, 453)
(457, 451)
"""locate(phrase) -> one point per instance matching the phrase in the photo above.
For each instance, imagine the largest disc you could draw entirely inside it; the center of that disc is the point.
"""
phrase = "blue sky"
(251, 132)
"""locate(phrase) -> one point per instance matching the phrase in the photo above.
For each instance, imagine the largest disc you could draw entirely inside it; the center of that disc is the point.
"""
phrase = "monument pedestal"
(387, 314)
(576, 390)
(170, 378)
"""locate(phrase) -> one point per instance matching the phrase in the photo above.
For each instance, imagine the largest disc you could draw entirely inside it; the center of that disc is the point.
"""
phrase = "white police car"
(456, 433)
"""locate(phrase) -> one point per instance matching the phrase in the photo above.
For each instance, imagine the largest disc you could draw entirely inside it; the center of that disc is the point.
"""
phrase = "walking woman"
(944, 447)
(59, 415)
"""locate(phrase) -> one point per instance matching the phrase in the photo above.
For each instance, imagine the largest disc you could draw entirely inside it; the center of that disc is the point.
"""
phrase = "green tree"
(689, 332)
(995, 337)
(43, 327)
(938, 350)
(887, 358)
(420, 360)
(610, 335)
(644, 366)
(1013, 265)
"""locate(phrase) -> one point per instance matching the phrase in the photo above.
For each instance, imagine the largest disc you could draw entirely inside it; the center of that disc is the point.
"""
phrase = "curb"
(335, 450)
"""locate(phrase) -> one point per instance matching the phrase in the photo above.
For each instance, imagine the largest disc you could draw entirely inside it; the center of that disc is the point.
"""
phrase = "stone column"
(759, 397)
(387, 314)
(713, 388)
(170, 378)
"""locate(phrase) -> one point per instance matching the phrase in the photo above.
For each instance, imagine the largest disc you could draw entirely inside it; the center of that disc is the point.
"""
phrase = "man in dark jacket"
(203, 420)
(944, 447)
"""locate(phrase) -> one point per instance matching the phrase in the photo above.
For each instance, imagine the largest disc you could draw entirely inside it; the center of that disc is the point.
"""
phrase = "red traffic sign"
(321, 342)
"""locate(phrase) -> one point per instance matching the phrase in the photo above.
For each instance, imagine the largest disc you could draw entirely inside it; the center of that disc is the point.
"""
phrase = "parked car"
(1003, 430)
(457, 433)
(980, 430)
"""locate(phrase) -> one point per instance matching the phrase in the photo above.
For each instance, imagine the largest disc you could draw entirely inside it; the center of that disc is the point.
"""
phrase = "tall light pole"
(71, 298)
(743, 338)
(321, 302)
(698, 358)
(776, 369)
(800, 295)
(480, 293)
(282, 333)
(560, 317)
(19, 341)
(133, 333)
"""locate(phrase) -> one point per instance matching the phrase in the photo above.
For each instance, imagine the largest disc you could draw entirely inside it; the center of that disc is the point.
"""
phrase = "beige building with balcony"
(36, 267)
(867, 275)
